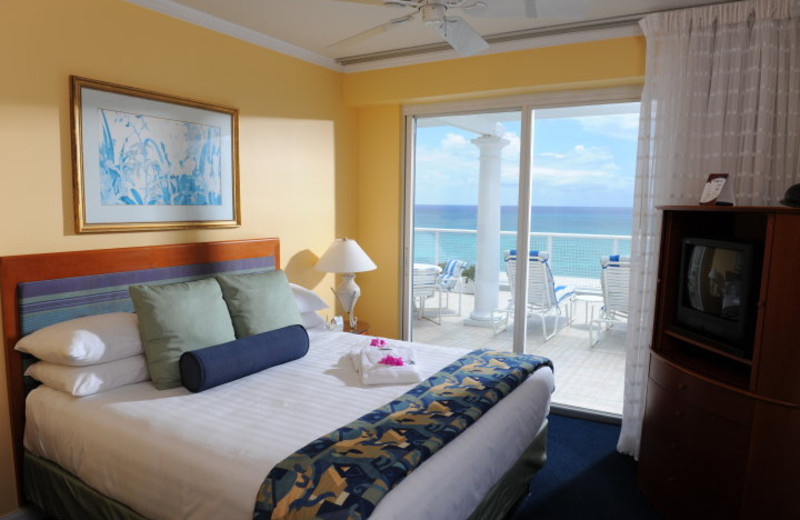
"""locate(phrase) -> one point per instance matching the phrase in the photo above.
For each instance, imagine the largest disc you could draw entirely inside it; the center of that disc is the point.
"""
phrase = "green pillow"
(259, 302)
(178, 317)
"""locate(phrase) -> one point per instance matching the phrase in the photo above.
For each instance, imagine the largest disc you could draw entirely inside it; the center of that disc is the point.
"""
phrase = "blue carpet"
(584, 476)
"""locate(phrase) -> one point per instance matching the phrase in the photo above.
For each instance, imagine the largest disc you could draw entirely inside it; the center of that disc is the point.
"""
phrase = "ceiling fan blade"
(548, 9)
(369, 33)
(462, 37)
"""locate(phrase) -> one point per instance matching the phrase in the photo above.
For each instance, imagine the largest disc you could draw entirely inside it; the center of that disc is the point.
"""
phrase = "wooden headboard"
(101, 274)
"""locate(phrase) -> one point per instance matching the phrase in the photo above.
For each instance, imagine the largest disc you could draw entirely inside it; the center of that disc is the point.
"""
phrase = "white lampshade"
(345, 256)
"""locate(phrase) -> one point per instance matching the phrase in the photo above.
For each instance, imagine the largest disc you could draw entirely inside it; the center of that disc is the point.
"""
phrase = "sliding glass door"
(464, 216)
(528, 204)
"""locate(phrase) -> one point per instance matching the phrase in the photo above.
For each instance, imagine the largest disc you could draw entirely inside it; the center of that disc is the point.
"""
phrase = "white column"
(487, 270)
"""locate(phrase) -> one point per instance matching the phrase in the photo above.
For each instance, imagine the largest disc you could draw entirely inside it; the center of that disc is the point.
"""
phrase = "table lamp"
(346, 257)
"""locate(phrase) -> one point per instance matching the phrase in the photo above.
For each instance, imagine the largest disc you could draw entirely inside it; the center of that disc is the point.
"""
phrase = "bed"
(138, 452)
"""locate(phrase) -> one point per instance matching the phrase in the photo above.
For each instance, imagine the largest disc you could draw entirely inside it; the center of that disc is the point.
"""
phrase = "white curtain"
(721, 94)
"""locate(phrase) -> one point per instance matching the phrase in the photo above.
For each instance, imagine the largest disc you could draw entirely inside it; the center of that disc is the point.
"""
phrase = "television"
(716, 299)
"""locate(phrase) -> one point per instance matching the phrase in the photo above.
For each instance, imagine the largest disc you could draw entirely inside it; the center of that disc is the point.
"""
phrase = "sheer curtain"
(721, 94)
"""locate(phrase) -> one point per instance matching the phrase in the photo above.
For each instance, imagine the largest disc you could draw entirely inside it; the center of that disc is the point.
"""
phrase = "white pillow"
(85, 341)
(82, 381)
(312, 320)
(307, 300)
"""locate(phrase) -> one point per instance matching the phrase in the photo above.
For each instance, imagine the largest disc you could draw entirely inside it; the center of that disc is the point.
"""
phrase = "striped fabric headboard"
(46, 302)
(42, 289)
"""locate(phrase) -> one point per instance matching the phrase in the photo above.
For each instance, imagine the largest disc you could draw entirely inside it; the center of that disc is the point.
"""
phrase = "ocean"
(570, 256)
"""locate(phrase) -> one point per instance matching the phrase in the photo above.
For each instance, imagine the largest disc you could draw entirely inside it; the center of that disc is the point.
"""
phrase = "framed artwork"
(149, 161)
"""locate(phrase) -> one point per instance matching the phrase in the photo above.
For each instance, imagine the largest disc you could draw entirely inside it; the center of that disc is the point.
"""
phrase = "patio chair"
(544, 296)
(425, 286)
(450, 280)
(614, 281)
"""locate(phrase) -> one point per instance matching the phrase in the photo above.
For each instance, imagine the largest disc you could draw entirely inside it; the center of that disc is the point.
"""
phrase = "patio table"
(590, 301)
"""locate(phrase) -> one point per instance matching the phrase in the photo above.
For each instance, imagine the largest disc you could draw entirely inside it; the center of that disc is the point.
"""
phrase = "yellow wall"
(379, 95)
(320, 152)
(582, 65)
(297, 141)
(379, 203)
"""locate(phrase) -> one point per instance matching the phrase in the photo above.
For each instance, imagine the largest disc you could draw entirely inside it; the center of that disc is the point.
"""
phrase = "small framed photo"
(718, 191)
(149, 161)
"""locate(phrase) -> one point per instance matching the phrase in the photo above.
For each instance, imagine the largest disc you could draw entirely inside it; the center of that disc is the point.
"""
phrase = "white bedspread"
(173, 454)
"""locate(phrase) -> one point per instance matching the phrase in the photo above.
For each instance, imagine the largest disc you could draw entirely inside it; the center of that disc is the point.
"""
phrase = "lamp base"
(353, 319)
(348, 293)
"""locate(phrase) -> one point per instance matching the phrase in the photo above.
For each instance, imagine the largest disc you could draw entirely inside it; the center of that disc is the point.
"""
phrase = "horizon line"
(533, 206)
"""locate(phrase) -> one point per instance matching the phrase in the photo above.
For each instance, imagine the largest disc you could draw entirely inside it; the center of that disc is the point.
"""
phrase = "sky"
(578, 160)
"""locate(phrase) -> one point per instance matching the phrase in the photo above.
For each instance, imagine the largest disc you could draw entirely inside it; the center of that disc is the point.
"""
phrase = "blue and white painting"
(155, 161)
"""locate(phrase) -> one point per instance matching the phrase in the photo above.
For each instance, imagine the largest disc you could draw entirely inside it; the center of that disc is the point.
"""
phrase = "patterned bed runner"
(344, 474)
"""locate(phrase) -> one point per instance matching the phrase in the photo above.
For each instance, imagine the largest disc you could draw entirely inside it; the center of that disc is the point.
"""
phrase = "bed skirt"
(65, 497)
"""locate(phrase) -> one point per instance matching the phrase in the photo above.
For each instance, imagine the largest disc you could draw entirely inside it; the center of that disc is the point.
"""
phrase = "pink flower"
(391, 360)
(377, 342)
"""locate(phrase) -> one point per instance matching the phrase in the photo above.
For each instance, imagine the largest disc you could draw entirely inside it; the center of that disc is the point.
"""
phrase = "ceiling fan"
(454, 29)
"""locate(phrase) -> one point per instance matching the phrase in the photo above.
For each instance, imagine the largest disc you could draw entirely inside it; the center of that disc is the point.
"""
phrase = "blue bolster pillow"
(212, 366)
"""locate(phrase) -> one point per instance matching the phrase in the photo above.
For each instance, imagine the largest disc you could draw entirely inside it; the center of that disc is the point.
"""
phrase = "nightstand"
(362, 327)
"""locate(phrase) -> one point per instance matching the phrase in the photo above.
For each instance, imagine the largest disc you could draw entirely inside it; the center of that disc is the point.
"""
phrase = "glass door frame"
(526, 105)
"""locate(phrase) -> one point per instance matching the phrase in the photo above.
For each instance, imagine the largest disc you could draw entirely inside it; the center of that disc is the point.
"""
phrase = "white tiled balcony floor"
(587, 378)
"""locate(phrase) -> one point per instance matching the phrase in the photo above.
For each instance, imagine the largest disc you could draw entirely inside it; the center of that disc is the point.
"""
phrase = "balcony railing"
(573, 256)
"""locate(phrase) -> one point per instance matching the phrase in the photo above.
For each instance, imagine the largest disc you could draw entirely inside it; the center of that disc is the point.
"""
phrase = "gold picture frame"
(147, 161)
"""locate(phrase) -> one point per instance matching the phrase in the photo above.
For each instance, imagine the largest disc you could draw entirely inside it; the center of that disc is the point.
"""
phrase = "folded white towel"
(366, 362)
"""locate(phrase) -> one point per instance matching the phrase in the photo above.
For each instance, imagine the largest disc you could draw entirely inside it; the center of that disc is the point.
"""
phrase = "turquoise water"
(578, 257)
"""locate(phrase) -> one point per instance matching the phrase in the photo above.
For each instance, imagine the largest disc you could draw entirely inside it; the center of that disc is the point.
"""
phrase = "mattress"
(173, 454)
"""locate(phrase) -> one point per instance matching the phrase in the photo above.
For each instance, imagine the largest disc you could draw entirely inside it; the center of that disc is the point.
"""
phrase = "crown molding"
(499, 43)
(563, 34)
(195, 17)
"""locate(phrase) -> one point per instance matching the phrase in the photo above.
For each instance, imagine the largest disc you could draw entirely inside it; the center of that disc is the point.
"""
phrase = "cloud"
(618, 126)
(590, 169)
(580, 187)
(450, 147)
(446, 171)
(455, 142)
(553, 155)
(448, 167)
(454, 163)
(513, 148)
(564, 177)
(579, 155)
(509, 167)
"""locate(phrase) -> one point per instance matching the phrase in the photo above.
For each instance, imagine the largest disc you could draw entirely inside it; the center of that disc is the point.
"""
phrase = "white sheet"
(173, 454)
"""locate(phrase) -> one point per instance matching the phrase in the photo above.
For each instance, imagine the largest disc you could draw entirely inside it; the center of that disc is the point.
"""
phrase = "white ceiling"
(307, 28)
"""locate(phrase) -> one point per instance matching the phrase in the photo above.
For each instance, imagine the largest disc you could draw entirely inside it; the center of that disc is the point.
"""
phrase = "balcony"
(586, 377)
